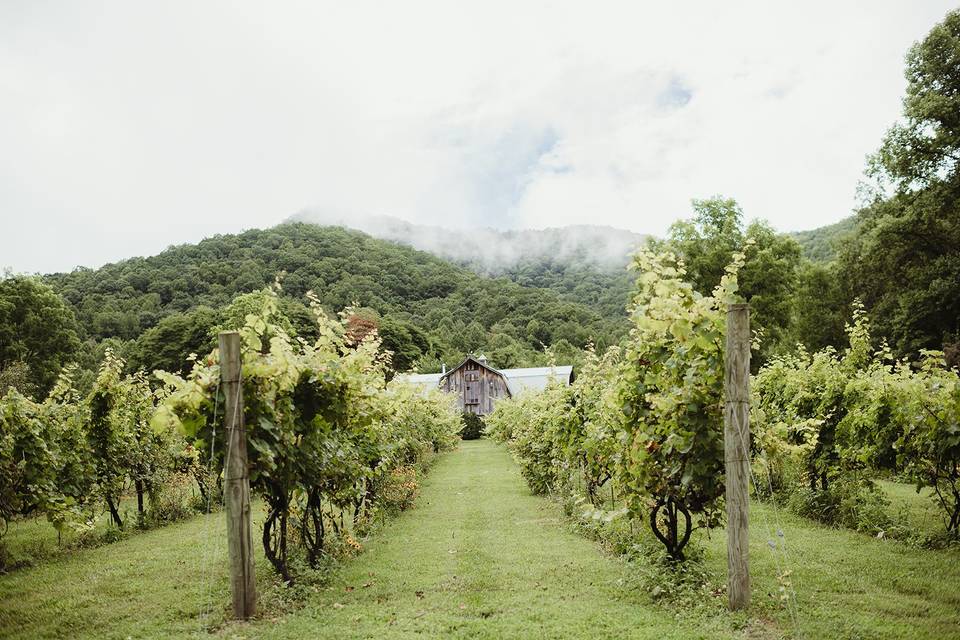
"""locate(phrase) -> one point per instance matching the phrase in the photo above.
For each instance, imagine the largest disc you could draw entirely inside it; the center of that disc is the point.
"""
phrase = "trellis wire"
(206, 604)
(772, 544)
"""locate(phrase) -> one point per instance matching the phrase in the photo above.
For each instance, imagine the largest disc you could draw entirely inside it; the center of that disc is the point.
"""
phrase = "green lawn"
(478, 556)
(919, 509)
(850, 585)
(33, 541)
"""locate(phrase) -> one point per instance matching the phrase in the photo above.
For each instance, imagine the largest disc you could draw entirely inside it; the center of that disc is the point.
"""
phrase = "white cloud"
(125, 127)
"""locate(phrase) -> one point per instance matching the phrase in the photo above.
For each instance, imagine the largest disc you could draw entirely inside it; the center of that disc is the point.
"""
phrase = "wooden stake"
(736, 439)
(243, 586)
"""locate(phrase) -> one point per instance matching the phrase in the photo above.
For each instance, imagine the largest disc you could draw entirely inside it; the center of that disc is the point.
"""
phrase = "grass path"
(478, 557)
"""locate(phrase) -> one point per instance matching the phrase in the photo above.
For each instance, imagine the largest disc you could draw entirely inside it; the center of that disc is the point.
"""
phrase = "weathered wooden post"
(736, 441)
(243, 586)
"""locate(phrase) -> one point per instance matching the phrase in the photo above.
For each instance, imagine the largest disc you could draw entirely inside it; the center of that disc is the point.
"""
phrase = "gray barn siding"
(475, 386)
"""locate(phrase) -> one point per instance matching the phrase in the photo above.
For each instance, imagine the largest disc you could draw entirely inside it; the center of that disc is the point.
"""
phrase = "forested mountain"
(428, 310)
(823, 243)
(586, 263)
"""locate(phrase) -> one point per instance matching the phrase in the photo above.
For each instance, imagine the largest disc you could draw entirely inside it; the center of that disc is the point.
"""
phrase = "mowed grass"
(477, 556)
(33, 541)
(850, 585)
(917, 508)
(480, 557)
(164, 582)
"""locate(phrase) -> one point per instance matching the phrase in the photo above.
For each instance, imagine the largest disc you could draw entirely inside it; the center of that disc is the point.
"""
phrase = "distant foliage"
(38, 335)
(768, 278)
(822, 244)
(428, 311)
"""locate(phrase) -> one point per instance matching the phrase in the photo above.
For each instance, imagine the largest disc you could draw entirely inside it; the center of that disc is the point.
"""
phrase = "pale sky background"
(129, 126)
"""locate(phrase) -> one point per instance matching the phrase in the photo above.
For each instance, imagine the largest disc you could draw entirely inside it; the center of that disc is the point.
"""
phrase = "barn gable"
(478, 386)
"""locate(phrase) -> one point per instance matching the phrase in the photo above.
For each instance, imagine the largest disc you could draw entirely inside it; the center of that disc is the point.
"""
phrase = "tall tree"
(169, 344)
(768, 279)
(37, 330)
(904, 260)
(820, 307)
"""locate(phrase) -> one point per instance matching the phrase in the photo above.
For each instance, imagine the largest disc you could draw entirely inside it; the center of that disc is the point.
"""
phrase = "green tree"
(36, 328)
(768, 278)
(924, 149)
(706, 241)
(168, 345)
(904, 260)
(819, 307)
(407, 342)
(768, 281)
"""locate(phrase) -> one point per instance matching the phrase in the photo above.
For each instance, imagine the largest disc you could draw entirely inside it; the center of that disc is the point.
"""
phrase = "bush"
(473, 426)
(850, 503)
(172, 502)
(399, 489)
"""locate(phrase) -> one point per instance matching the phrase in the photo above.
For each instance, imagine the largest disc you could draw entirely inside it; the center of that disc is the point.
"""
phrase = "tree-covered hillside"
(428, 310)
(585, 263)
(823, 243)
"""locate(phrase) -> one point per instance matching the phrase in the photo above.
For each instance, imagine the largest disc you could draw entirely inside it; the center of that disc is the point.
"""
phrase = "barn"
(478, 385)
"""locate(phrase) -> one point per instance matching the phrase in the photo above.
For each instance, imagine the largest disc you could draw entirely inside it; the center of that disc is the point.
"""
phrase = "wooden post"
(243, 586)
(736, 441)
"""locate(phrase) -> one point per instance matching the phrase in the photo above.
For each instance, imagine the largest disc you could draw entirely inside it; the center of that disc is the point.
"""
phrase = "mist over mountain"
(494, 252)
(584, 263)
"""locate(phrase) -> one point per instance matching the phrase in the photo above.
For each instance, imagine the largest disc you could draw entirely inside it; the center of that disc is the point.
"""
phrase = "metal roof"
(479, 360)
(536, 378)
(423, 380)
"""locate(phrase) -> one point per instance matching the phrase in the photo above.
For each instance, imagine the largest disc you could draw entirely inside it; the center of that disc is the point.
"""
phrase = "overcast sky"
(129, 126)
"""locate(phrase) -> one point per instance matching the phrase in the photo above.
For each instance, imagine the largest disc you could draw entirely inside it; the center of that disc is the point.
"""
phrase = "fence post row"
(736, 442)
(236, 483)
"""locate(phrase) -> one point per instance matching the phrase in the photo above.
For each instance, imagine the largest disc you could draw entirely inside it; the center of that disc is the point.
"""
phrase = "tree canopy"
(769, 276)
(427, 310)
(904, 260)
(38, 334)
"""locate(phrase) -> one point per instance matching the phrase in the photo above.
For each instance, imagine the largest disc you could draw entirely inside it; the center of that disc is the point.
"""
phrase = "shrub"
(473, 426)
(852, 503)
